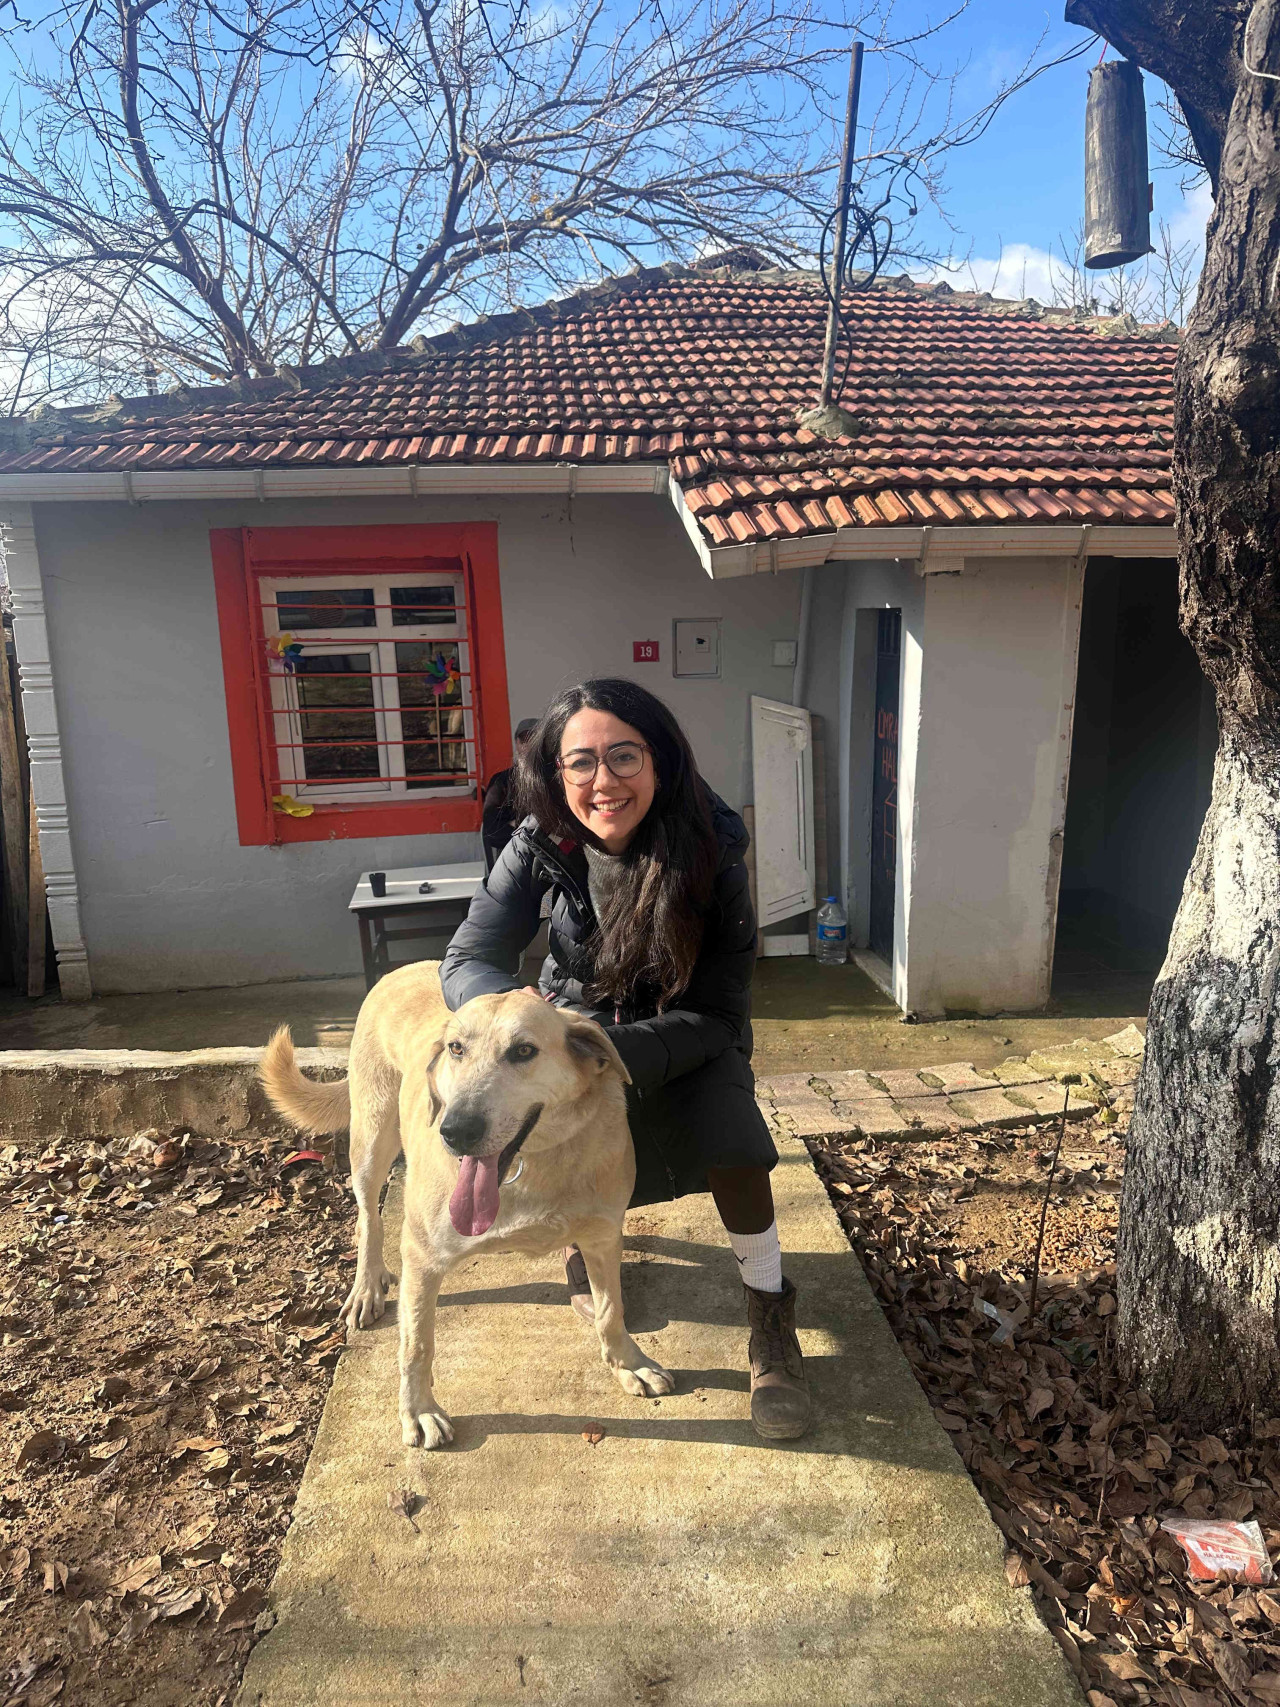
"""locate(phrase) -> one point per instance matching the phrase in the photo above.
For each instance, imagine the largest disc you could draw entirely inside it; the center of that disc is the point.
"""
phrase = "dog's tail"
(306, 1104)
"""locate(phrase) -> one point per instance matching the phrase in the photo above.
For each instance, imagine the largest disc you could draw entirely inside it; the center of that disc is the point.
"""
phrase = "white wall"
(988, 695)
(986, 700)
(168, 897)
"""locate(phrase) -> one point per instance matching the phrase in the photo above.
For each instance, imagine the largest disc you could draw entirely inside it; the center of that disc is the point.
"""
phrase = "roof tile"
(968, 412)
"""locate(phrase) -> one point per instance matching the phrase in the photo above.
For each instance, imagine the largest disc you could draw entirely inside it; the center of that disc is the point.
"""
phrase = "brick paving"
(904, 1103)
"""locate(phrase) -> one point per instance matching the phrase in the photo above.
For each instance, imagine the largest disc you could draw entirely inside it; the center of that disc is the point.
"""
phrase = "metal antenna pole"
(842, 226)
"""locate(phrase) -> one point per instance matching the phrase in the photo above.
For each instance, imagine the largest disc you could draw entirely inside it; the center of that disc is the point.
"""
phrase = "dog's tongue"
(473, 1208)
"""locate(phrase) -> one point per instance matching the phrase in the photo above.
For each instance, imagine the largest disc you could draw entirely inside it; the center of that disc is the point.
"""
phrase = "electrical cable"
(865, 223)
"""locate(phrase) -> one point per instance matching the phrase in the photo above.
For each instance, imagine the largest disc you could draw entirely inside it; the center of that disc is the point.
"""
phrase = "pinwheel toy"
(287, 649)
(442, 675)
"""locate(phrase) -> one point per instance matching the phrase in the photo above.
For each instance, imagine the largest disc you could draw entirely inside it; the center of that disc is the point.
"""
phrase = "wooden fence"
(23, 915)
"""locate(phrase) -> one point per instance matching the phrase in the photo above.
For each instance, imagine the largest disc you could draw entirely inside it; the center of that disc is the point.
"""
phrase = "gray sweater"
(603, 872)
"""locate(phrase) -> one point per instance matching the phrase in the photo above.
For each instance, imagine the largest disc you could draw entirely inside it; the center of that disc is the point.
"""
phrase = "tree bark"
(1199, 1253)
(1199, 1248)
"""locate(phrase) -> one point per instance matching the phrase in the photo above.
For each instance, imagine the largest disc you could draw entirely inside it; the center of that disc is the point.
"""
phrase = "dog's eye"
(522, 1051)
(456, 1050)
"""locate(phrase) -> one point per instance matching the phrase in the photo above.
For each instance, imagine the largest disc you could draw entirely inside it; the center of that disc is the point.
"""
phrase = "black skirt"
(707, 1119)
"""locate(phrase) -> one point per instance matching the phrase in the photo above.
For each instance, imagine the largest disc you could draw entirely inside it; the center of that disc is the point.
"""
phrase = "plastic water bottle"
(833, 933)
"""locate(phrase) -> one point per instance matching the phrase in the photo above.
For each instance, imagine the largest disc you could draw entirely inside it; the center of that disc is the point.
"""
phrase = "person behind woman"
(653, 935)
(498, 815)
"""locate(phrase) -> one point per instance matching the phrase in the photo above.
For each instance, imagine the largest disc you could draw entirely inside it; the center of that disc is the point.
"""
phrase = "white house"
(273, 634)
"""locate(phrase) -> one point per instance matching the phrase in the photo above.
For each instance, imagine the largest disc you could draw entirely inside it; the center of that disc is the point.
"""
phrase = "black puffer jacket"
(713, 1014)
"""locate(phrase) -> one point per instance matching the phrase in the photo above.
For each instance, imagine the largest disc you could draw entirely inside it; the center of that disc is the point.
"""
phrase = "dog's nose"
(463, 1130)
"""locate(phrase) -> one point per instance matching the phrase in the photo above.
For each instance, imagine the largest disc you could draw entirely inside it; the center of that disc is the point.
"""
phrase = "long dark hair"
(651, 930)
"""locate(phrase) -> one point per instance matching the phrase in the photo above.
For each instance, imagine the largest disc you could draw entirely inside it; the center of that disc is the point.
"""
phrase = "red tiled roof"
(969, 411)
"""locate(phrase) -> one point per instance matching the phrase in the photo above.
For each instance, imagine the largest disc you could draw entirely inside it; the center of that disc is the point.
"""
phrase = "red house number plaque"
(644, 651)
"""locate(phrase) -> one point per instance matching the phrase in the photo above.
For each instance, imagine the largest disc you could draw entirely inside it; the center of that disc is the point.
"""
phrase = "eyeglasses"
(623, 759)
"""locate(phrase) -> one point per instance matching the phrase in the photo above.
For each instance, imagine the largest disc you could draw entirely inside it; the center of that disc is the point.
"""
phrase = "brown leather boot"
(780, 1404)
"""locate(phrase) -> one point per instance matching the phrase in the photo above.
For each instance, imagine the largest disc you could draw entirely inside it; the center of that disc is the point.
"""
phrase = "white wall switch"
(784, 654)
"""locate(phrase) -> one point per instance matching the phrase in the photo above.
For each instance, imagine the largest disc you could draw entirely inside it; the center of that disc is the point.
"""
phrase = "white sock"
(759, 1258)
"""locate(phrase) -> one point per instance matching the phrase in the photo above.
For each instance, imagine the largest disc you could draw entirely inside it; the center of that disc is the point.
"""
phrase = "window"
(366, 684)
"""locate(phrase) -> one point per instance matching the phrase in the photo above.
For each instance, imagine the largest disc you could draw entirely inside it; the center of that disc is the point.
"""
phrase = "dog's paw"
(427, 1429)
(649, 1381)
(366, 1301)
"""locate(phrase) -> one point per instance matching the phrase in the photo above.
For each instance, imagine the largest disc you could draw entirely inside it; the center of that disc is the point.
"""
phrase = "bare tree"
(1176, 144)
(1159, 288)
(198, 191)
(1200, 1216)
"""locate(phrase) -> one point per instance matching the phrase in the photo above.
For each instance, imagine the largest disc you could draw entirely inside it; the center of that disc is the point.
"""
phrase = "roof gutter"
(414, 480)
(934, 550)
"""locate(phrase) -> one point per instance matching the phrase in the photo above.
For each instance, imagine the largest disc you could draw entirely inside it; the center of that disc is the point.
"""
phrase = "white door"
(782, 768)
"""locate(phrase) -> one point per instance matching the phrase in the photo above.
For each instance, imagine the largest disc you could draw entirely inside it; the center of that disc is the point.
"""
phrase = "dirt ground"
(1075, 1466)
(168, 1311)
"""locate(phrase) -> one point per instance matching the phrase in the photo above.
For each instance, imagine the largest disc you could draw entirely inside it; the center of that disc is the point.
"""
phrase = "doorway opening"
(884, 784)
(1143, 740)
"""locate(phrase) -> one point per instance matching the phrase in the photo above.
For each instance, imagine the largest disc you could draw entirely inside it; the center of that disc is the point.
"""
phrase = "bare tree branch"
(206, 188)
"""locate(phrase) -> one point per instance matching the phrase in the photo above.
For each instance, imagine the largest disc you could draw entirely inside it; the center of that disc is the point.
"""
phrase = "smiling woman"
(610, 758)
(652, 935)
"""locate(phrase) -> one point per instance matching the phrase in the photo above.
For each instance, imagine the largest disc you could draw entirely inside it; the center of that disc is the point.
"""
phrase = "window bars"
(371, 684)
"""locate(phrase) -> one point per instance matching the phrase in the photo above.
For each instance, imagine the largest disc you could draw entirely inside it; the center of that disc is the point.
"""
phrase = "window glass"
(335, 697)
(325, 608)
(431, 702)
(421, 607)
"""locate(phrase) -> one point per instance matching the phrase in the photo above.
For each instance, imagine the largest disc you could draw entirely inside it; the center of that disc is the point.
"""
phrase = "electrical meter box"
(697, 647)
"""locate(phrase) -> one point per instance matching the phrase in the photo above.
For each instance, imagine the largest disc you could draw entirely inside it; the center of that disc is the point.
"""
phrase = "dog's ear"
(434, 1104)
(589, 1042)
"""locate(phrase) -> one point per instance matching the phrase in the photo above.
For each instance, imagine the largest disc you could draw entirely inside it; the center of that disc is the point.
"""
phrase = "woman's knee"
(743, 1197)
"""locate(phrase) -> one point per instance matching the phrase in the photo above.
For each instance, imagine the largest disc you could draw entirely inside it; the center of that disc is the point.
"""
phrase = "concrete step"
(680, 1562)
(113, 1093)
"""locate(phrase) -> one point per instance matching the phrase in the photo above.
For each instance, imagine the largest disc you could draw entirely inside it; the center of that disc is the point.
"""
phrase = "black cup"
(378, 883)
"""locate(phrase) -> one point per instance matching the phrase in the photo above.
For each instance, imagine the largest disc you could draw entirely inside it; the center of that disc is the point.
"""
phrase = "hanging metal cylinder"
(1117, 190)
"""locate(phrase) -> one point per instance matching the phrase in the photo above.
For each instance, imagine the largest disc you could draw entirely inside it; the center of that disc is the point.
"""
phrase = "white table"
(436, 896)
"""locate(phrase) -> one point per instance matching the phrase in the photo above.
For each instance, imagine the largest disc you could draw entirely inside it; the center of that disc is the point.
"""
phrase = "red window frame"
(241, 558)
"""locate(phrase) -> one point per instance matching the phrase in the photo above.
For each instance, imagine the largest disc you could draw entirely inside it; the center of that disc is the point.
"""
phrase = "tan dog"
(513, 1122)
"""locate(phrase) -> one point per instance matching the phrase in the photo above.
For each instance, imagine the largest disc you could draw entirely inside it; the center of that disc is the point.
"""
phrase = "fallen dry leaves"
(403, 1502)
(1075, 1467)
(168, 1330)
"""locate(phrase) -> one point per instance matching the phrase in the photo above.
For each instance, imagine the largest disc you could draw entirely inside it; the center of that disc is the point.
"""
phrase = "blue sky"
(1022, 184)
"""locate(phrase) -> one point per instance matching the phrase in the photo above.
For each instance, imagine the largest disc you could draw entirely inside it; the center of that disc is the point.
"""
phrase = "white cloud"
(1056, 275)
(1020, 270)
(1189, 222)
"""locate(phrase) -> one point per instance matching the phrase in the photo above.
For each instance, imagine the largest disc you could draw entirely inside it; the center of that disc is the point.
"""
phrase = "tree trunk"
(1199, 1257)
(1199, 1271)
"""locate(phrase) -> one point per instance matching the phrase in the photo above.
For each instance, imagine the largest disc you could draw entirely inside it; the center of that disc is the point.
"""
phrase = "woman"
(652, 934)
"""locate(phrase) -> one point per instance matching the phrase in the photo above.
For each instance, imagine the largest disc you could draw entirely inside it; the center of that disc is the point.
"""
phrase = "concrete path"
(680, 1562)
